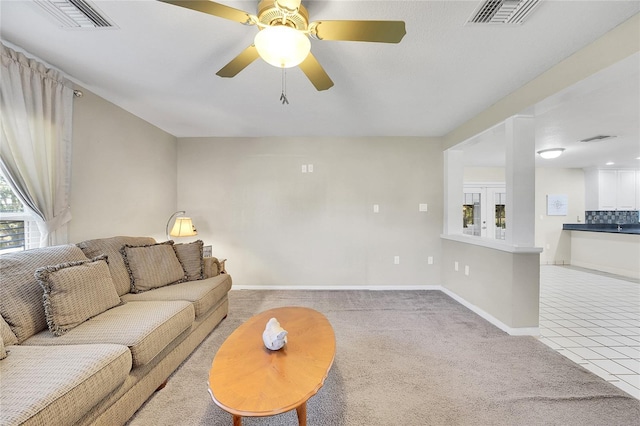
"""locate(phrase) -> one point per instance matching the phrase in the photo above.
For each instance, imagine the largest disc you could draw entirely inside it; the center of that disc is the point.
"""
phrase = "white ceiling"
(160, 64)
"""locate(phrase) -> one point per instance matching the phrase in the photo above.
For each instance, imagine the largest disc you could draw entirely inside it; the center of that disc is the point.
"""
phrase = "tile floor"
(593, 319)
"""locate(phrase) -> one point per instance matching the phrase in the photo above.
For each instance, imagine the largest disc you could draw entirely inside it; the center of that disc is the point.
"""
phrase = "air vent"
(597, 138)
(75, 13)
(503, 11)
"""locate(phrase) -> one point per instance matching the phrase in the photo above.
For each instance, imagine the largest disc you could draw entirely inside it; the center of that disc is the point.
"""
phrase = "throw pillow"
(7, 335)
(190, 256)
(152, 266)
(3, 352)
(75, 292)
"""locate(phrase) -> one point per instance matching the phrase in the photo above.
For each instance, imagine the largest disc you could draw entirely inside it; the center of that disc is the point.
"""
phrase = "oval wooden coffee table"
(248, 380)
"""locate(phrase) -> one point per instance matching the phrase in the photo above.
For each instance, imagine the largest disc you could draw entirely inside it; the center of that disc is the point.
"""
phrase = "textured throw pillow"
(152, 266)
(190, 256)
(75, 292)
(111, 247)
(7, 335)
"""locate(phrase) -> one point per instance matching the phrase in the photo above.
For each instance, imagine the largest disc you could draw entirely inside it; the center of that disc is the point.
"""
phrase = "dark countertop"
(611, 228)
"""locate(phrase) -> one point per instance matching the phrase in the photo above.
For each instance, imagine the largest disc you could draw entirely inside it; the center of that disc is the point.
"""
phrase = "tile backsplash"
(613, 217)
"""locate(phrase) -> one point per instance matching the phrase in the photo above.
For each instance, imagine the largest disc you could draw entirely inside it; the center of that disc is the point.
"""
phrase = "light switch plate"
(310, 168)
(304, 168)
(422, 207)
(396, 260)
(376, 208)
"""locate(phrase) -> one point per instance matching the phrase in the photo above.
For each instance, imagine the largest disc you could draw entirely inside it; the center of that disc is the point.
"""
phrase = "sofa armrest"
(211, 267)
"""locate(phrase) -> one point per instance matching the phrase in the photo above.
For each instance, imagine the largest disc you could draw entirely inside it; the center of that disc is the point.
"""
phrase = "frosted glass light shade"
(551, 153)
(183, 227)
(282, 46)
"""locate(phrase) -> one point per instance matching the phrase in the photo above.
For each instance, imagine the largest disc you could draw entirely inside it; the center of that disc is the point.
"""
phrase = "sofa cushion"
(204, 294)
(58, 384)
(145, 327)
(7, 335)
(190, 257)
(75, 292)
(152, 266)
(20, 293)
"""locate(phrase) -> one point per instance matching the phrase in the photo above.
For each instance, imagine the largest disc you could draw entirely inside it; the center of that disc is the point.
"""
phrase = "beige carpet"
(411, 358)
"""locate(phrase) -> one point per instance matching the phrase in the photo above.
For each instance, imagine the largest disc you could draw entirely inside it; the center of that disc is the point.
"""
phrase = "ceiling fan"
(283, 39)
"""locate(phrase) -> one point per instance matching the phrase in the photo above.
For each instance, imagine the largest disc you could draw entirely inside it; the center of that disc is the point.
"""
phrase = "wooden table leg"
(302, 414)
(237, 420)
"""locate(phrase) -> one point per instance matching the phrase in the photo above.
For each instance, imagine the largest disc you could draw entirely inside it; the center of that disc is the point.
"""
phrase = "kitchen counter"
(604, 248)
(626, 228)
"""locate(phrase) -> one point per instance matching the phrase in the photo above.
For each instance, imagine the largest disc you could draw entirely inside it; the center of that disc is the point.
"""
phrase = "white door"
(483, 211)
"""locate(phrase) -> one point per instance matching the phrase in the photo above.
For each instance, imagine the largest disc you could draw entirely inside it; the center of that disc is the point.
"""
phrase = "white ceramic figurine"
(274, 336)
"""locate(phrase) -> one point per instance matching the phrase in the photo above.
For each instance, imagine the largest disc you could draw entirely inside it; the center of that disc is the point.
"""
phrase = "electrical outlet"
(430, 260)
(304, 168)
(422, 207)
(466, 270)
(396, 260)
(456, 266)
(310, 168)
(376, 208)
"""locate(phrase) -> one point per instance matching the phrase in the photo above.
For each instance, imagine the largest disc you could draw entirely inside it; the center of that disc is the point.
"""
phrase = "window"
(18, 230)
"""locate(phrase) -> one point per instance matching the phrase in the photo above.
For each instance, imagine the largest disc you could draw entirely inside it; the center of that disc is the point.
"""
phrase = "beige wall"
(501, 284)
(279, 226)
(123, 173)
(555, 243)
(484, 174)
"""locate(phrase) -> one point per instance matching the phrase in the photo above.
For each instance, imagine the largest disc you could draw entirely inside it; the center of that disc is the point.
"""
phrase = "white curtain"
(36, 106)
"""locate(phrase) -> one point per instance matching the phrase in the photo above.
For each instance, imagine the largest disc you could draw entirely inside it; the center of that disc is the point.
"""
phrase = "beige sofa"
(100, 369)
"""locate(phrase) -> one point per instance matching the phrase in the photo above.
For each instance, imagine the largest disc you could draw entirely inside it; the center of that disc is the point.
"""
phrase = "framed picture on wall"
(207, 251)
(557, 205)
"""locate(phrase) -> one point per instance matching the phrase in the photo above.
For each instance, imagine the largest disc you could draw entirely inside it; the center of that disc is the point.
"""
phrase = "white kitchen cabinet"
(626, 190)
(607, 188)
(612, 189)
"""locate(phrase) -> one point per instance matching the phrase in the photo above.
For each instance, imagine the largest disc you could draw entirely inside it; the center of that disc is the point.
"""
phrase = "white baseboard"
(335, 287)
(520, 331)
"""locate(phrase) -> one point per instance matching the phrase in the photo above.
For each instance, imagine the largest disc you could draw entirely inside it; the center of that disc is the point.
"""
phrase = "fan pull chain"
(283, 96)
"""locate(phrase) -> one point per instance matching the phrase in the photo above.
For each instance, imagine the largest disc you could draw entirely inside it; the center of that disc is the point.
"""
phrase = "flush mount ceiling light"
(551, 153)
(282, 46)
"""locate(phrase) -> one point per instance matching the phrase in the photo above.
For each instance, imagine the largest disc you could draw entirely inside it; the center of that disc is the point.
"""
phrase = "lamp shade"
(282, 46)
(183, 227)
(551, 153)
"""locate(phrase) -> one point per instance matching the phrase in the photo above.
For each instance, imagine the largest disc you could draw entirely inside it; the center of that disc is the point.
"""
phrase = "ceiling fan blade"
(240, 62)
(215, 9)
(315, 73)
(376, 31)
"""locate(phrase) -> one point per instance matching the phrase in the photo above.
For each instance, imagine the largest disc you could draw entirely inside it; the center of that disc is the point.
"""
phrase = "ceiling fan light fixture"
(551, 153)
(282, 46)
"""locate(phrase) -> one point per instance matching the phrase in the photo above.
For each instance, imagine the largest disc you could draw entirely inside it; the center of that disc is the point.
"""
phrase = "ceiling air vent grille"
(597, 138)
(75, 13)
(503, 11)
